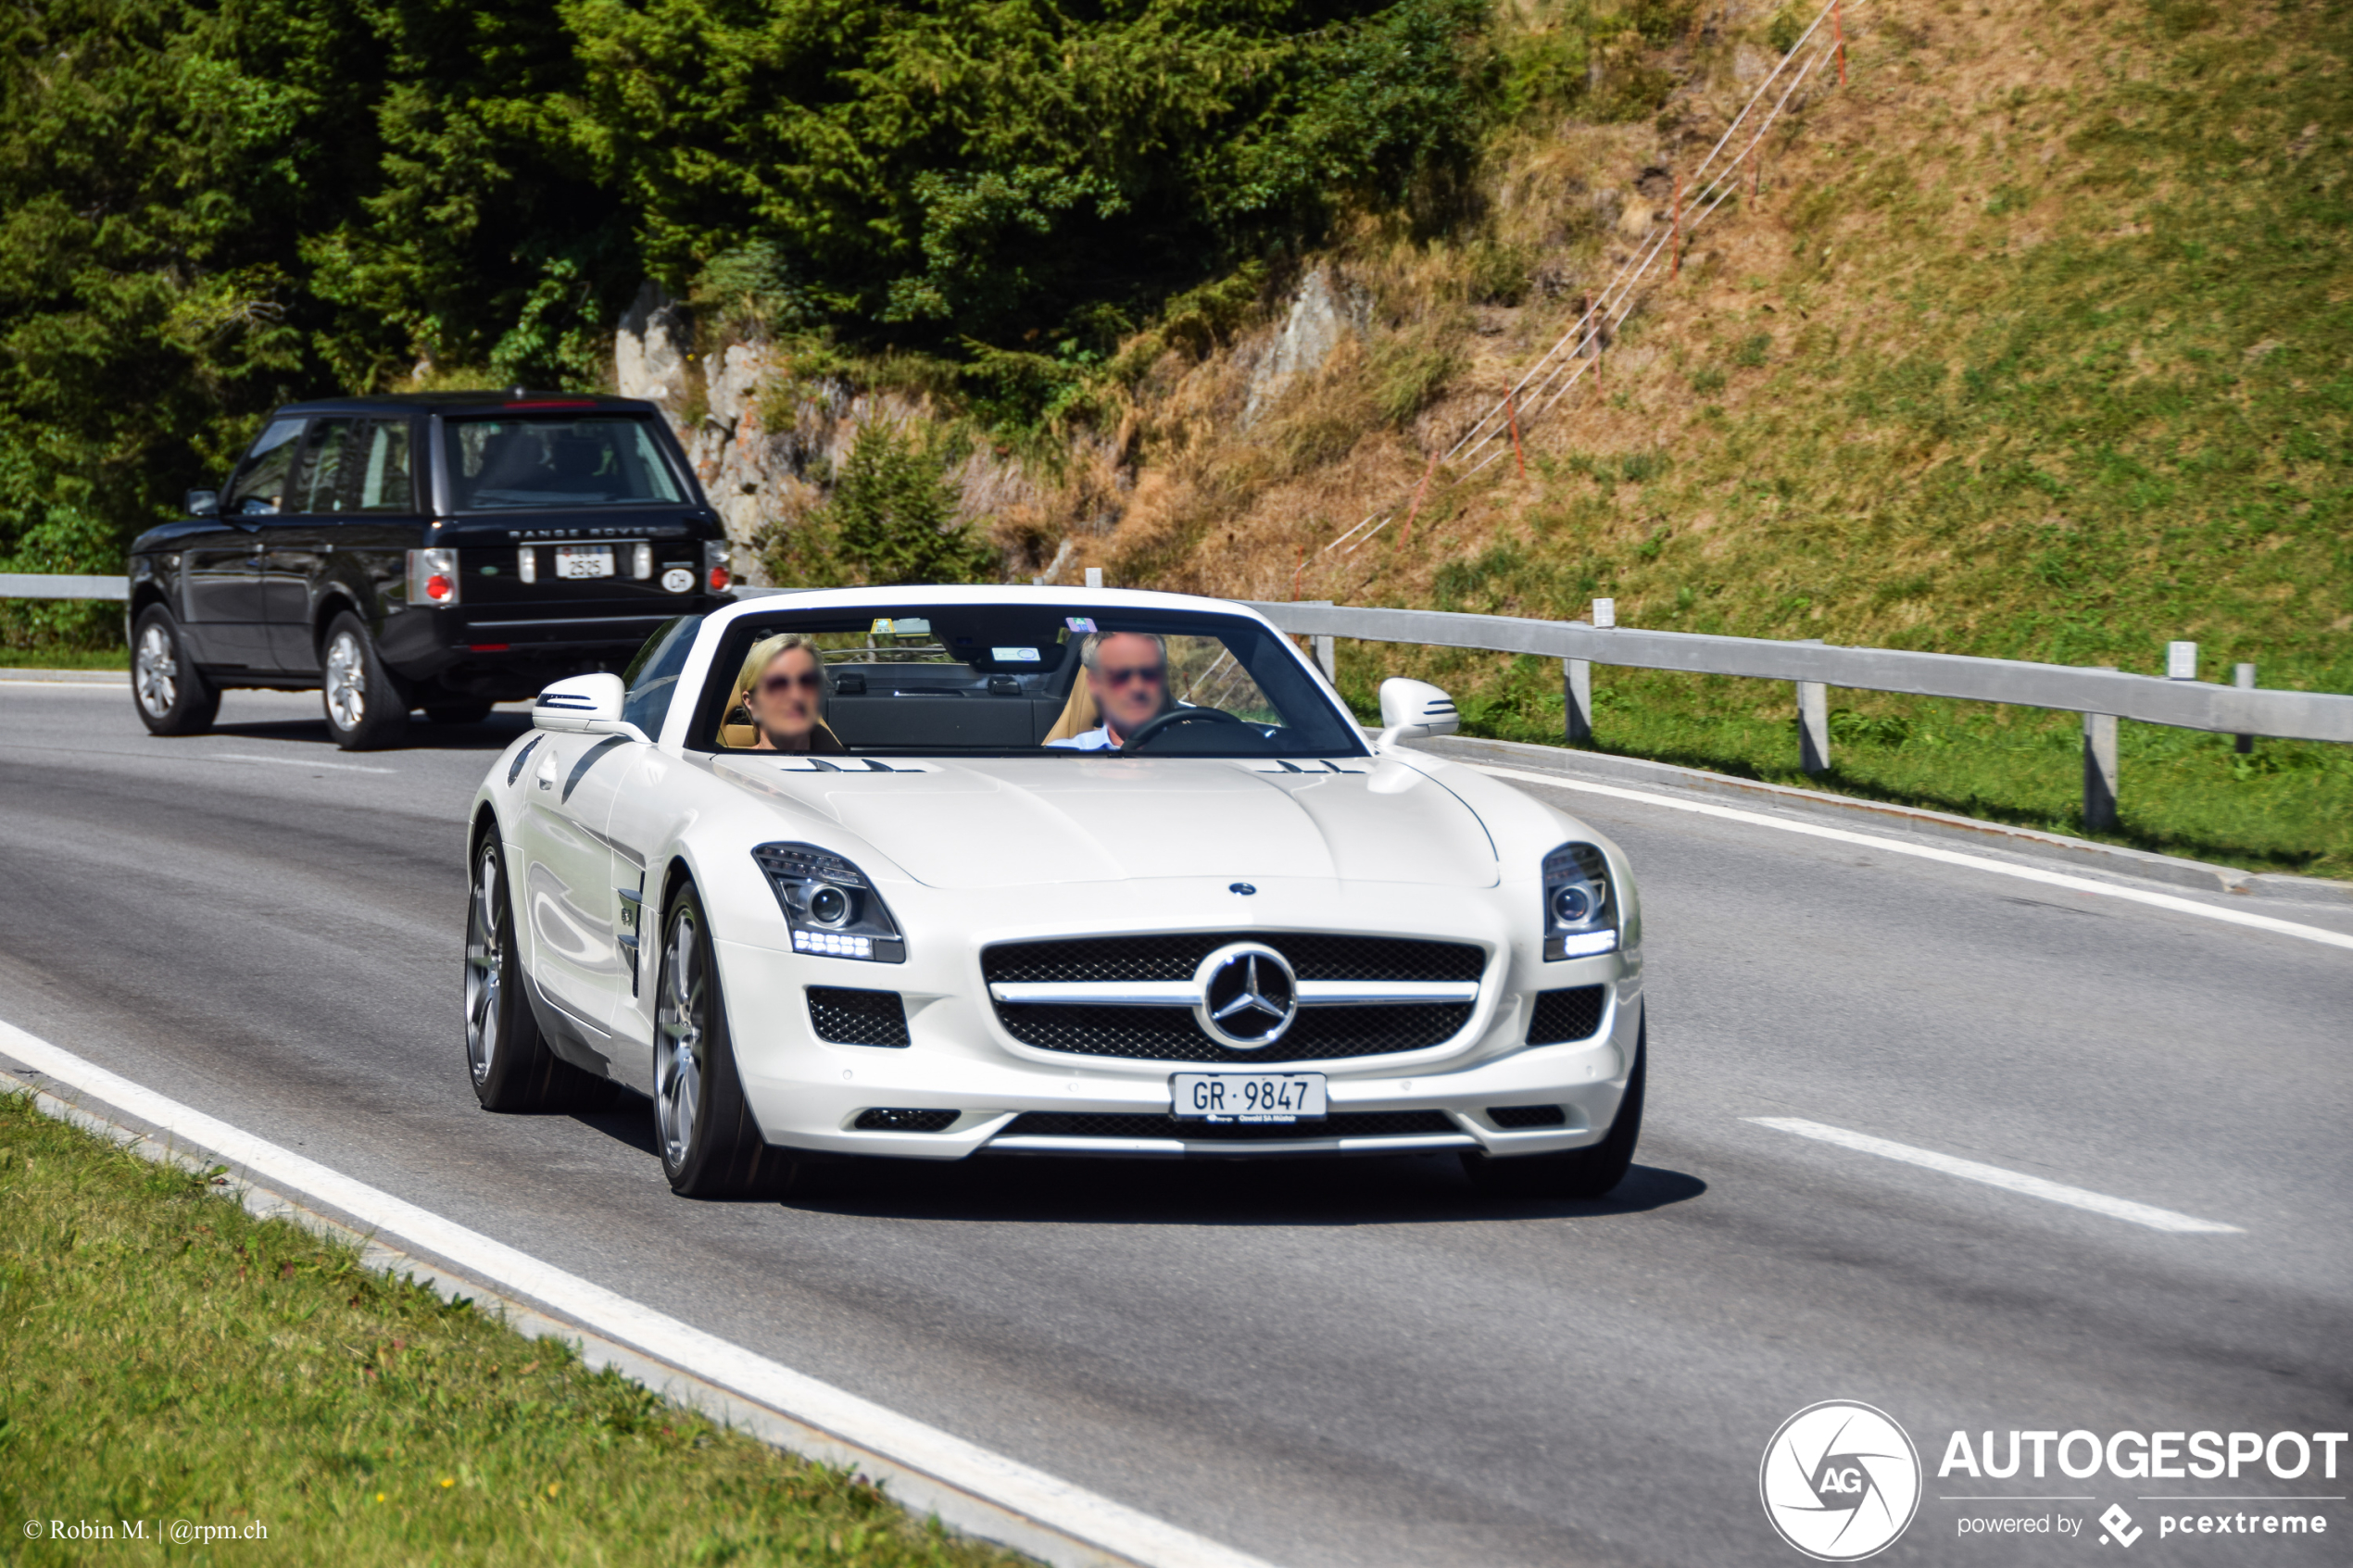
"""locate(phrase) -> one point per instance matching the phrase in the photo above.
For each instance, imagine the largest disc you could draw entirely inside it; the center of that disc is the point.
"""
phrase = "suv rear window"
(591, 460)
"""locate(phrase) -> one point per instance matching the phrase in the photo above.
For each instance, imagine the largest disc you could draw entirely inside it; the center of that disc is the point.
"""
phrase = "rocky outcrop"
(1326, 309)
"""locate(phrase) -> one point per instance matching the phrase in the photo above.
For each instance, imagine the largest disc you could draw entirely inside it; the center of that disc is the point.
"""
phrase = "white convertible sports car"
(927, 872)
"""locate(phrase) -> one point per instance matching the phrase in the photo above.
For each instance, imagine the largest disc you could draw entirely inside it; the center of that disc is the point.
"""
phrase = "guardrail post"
(1576, 692)
(2099, 770)
(2243, 677)
(1813, 726)
(1326, 659)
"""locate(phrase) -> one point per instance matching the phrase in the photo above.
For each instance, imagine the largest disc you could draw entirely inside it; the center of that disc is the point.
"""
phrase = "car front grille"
(1343, 1125)
(1572, 1013)
(1315, 955)
(1169, 1034)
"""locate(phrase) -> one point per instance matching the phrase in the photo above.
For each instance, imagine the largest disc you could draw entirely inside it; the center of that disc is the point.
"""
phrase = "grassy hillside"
(2039, 345)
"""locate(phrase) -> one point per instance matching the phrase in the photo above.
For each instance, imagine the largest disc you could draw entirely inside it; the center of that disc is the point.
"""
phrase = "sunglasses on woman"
(808, 681)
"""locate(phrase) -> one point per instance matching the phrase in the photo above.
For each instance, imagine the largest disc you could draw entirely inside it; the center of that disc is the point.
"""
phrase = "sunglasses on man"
(1151, 675)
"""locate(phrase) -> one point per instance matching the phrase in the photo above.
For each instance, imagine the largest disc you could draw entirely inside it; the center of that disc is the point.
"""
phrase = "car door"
(298, 539)
(642, 813)
(221, 569)
(571, 905)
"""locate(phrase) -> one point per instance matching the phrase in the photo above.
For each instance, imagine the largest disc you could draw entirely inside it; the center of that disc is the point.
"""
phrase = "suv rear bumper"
(498, 654)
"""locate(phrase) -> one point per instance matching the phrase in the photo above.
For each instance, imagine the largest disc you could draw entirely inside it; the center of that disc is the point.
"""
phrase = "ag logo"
(1840, 1481)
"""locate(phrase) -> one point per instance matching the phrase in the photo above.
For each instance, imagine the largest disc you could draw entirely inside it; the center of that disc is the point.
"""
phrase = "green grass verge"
(2287, 806)
(64, 659)
(165, 1355)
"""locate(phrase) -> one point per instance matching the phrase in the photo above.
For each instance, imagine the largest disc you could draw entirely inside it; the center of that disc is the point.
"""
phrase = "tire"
(710, 1147)
(467, 710)
(365, 709)
(1576, 1172)
(512, 1068)
(171, 694)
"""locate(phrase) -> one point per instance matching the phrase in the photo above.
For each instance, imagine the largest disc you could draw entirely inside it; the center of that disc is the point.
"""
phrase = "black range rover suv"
(440, 550)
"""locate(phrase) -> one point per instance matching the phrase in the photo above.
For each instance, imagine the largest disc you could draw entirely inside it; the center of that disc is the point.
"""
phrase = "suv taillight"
(433, 577)
(714, 565)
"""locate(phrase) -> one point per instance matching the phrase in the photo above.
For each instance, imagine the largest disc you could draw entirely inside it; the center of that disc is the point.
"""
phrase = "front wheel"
(1578, 1173)
(365, 710)
(710, 1147)
(508, 1059)
(174, 698)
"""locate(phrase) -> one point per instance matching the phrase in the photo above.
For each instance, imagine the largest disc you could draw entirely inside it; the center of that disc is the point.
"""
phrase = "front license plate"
(584, 561)
(1248, 1096)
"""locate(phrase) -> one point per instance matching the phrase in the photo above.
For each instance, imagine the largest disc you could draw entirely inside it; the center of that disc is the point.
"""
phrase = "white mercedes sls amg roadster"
(928, 873)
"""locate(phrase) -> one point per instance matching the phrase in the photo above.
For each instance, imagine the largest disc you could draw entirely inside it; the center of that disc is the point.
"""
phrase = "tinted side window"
(354, 466)
(653, 674)
(263, 479)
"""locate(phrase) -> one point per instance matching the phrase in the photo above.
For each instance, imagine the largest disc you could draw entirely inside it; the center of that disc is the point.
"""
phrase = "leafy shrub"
(891, 520)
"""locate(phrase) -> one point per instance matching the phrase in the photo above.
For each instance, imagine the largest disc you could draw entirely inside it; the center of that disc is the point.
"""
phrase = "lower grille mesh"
(1343, 1125)
(1570, 1014)
(893, 1120)
(1170, 1034)
(856, 1018)
(1510, 1116)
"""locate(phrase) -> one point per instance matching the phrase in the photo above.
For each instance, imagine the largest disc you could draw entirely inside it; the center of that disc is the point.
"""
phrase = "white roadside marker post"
(1813, 724)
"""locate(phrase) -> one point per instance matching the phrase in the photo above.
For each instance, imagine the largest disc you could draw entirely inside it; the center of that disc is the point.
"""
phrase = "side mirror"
(1413, 711)
(204, 503)
(584, 705)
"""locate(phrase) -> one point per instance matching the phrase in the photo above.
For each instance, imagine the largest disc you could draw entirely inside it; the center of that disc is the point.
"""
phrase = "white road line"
(1994, 1175)
(1110, 1527)
(110, 688)
(290, 762)
(1929, 852)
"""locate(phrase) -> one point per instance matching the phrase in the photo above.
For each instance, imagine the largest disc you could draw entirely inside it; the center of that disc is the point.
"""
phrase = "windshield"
(1047, 680)
(591, 460)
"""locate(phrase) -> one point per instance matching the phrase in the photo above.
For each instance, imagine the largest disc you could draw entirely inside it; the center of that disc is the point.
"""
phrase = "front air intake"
(850, 1016)
(897, 1120)
(1572, 1013)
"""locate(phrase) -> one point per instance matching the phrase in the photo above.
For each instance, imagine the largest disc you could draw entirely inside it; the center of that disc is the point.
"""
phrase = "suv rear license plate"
(584, 561)
(1247, 1096)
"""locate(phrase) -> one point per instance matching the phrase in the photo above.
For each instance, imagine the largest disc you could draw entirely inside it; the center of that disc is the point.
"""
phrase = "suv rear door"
(354, 470)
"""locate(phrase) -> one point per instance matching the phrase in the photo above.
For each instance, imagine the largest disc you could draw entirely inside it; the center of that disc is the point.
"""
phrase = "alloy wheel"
(678, 1041)
(485, 968)
(347, 681)
(157, 674)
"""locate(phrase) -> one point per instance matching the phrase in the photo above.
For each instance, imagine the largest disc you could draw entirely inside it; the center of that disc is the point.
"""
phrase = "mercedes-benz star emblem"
(1249, 995)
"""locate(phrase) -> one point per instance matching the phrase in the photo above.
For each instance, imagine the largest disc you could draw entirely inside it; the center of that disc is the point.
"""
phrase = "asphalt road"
(1353, 1362)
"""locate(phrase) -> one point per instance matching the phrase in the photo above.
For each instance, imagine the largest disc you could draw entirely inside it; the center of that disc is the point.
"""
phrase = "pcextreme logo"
(1839, 1480)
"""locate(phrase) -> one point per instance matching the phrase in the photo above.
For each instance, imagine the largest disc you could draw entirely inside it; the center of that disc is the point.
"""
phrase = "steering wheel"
(1160, 724)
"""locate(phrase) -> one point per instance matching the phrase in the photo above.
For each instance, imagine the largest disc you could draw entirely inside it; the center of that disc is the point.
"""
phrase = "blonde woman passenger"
(781, 695)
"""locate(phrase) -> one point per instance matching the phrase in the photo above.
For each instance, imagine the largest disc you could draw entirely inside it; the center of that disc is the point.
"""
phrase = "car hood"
(1019, 821)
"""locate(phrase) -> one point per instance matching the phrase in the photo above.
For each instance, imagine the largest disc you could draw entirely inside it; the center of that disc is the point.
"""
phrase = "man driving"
(1127, 675)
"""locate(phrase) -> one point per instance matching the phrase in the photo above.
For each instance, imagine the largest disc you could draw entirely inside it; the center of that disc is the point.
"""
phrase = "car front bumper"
(808, 1093)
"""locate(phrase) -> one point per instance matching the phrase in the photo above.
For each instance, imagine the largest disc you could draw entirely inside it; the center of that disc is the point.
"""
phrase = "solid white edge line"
(1994, 1175)
(1098, 1521)
(1930, 852)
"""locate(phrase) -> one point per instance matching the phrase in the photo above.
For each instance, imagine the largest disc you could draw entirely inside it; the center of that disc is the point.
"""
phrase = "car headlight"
(1580, 908)
(830, 905)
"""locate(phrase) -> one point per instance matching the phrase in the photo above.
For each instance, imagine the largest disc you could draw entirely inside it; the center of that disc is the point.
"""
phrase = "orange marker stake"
(1675, 254)
(1838, 32)
(1414, 510)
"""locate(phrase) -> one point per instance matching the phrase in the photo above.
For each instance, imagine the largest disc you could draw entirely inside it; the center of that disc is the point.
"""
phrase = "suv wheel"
(174, 698)
(364, 709)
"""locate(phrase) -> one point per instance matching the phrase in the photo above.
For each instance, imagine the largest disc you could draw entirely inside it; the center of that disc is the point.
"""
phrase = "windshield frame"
(1288, 680)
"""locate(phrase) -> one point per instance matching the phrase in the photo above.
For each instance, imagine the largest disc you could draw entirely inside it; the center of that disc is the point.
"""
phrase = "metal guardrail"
(43, 586)
(2101, 696)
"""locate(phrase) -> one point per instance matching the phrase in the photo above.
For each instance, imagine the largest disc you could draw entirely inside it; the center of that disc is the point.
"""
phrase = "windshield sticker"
(1082, 625)
(1014, 656)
